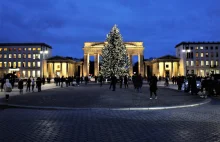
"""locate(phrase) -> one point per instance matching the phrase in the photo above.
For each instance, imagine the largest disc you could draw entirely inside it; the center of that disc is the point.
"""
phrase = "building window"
(24, 49)
(29, 49)
(5, 56)
(19, 55)
(201, 55)
(9, 64)
(192, 63)
(187, 48)
(33, 73)
(19, 49)
(10, 49)
(19, 64)
(39, 49)
(29, 56)
(206, 47)
(197, 54)
(34, 56)
(29, 73)
(58, 66)
(216, 63)
(202, 63)
(14, 65)
(5, 64)
(33, 64)
(5, 49)
(201, 47)
(15, 49)
(216, 47)
(212, 62)
(212, 55)
(211, 48)
(37, 56)
(34, 49)
(38, 64)
(29, 64)
(9, 56)
(197, 47)
(0, 64)
(206, 63)
(38, 73)
(23, 73)
(24, 64)
(207, 54)
(191, 48)
(0, 49)
(216, 54)
(167, 66)
(24, 56)
(14, 56)
(0, 55)
(197, 63)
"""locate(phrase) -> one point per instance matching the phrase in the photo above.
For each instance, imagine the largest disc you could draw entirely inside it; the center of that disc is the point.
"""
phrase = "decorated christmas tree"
(114, 55)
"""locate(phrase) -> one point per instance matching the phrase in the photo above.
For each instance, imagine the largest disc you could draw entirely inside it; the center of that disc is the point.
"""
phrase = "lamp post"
(43, 53)
(186, 51)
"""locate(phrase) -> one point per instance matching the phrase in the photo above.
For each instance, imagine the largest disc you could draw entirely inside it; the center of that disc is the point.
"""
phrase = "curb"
(69, 108)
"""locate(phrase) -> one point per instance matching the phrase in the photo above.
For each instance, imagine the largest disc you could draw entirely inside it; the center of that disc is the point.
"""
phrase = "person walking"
(153, 87)
(121, 81)
(62, 80)
(28, 84)
(20, 86)
(126, 81)
(114, 81)
(32, 84)
(7, 88)
(38, 84)
(101, 80)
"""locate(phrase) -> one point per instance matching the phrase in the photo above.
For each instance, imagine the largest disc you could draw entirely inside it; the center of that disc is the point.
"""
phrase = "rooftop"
(25, 44)
(199, 42)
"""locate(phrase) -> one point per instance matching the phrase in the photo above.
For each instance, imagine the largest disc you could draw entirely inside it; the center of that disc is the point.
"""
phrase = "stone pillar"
(53, 70)
(67, 68)
(140, 64)
(96, 65)
(164, 69)
(86, 65)
(171, 71)
(81, 68)
(61, 69)
(131, 65)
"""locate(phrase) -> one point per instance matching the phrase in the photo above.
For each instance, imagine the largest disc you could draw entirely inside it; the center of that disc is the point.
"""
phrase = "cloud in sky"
(67, 24)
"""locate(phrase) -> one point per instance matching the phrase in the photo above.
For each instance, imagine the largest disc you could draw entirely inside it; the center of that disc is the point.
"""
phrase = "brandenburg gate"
(95, 49)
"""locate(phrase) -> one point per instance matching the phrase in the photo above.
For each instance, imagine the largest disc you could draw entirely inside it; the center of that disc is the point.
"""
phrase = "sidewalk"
(15, 91)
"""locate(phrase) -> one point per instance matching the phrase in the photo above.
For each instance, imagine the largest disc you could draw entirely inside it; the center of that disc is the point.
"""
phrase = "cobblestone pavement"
(94, 96)
(196, 124)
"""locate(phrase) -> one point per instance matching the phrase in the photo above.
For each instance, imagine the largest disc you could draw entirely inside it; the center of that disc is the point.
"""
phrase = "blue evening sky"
(67, 24)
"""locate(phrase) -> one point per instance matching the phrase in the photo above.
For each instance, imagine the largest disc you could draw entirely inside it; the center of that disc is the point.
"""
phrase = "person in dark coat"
(86, 80)
(38, 84)
(2, 84)
(153, 86)
(28, 83)
(101, 80)
(20, 86)
(77, 80)
(67, 81)
(114, 81)
(58, 80)
(62, 80)
(43, 80)
(126, 81)
(121, 81)
(138, 82)
(193, 86)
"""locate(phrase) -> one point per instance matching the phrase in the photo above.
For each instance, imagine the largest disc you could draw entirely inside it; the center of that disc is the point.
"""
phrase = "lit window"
(38, 73)
(33, 73)
(187, 63)
(34, 49)
(19, 55)
(29, 64)
(216, 63)
(19, 64)
(24, 56)
(24, 64)
(0, 49)
(0, 55)
(9, 56)
(212, 62)
(201, 47)
(207, 54)
(5, 64)
(23, 73)
(197, 54)
(5, 56)
(14, 56)
(192, 63)
(24, 49)
(37, 56)
(29, 49)
(14, 64)
(34, 56)
(212, 55)
(202, 63)
(29, 56)
(10, 49)
(9, 64)
(39, 49)
(201, 54)
(19, 49)
(29, 73)
(15, 49)
(197, 47)
(0, 64)
(207, 63)
(38, 64)
(33, 64)
(5, 49)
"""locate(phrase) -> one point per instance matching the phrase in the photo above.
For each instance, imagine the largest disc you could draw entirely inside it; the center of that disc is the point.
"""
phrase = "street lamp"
(43, 53)
(186, 51)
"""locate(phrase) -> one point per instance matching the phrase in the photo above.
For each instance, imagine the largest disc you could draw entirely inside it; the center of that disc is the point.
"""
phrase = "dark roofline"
(184, 43)
(25, 44)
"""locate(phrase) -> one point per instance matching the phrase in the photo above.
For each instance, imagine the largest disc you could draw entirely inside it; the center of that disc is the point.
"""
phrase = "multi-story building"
(200, 58)
(24, 59)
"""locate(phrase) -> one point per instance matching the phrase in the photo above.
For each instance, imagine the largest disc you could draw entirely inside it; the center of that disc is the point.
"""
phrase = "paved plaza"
(193, 124)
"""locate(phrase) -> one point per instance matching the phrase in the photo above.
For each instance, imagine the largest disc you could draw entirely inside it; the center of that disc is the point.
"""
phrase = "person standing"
(121, 81)
(62, 80)
(114, 81)
(101, 80)
(38, 84)
(32, 84)
(153, 87)
(86, 80)
(20, 86)
(126, 81)
(2, 84)
(43, 80)
(7, 88)
(28, 84)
